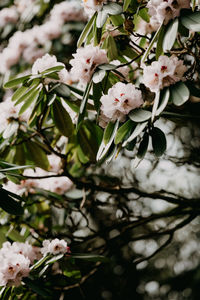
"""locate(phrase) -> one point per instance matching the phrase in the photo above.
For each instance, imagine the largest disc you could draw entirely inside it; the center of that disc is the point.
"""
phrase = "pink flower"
(164, 72)
(85, 61)
(56, 246)
(121, 99)
(165, 10)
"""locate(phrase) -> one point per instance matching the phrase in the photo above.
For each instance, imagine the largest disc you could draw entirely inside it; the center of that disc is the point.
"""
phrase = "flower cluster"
(50, 61)
(59, 185)
(121, 99)
(17, 258)
(90, 6)
(164, 72)
(86, 60)
(163, 11)
(8, 15)
(27, 44)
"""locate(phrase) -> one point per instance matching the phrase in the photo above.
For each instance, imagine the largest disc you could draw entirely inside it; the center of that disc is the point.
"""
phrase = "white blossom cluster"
(164, 72)
(121, 99)
(58, 185)
(27, 44)
(17, 258)
(165, 10)
(85, 61)
(8, 15)
(49, 61)
(9, 117)
(90, 6)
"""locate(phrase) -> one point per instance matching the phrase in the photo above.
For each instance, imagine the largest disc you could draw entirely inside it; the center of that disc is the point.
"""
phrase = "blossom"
(8, 15)
(90, 6)
(13, 268)
(56, 246)
(46, 62)
(24, 249)
(121, 99)
(86, 60)
(164, 72)
(67, 11)
(165, 10)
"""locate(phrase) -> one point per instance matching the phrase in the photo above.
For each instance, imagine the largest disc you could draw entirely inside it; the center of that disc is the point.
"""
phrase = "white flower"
(90, 6)
(165, 10)
(19, 248)
(56, 246)
(164, 72)
(85, 61)
(8, 15)
(13, 268)
(46, 62)
(121, 99)
(32, 53)
(67, 11)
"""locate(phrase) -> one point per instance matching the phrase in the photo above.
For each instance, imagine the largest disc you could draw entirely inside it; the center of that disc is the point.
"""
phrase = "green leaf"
(84, 103)
(52, 70)
(159, 47)
(179, 93)
(126, 4)
(191, 21)
(143, 146)
(107, 67)
(138, 129)
(33, 98)
(112, 52)
(98, 76)
(143, 13)
(35, 154)
(54, 259)
(155, 105)
(62, 119)
(151, 43)
(158, 141)
(63, 90)
(27, 94)
(8, 204)
(139, 115)
(113, 9)
(86, 31)
(170, 35)
(108, 132)
(90, 257)
(19, 93)
(97, 93)
(164, 98)
(15, 82)
(108, 138)
(89, 137)
(123, 131)
(101, 18)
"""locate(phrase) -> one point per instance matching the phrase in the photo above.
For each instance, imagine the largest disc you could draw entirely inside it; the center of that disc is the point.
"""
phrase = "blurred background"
(152, 243)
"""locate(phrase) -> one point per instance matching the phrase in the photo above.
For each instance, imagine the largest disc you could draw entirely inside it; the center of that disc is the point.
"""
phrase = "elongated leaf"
(164, 98)
(97, 93)
(84, 103)
(15, 82)
(151, 44)
(35, 154)
(126, 4)
(158, 141)
(192, 21)
(90, 257)
(143, 13)
(111, 48)
(170, 35)
(33, 98)
(101, 18)
(86, 31)
(123, 131)
(62, 119)
(8, 204)
(103, 149)
(27, 94)
(138, 129)
(19, 93)
(113, 9)
(143, 146)
(99, 76)
(155, 105)
(107, 67)
(140, 115)
(52, 70)
(108, 132)
(179, 93)
(159, 46)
